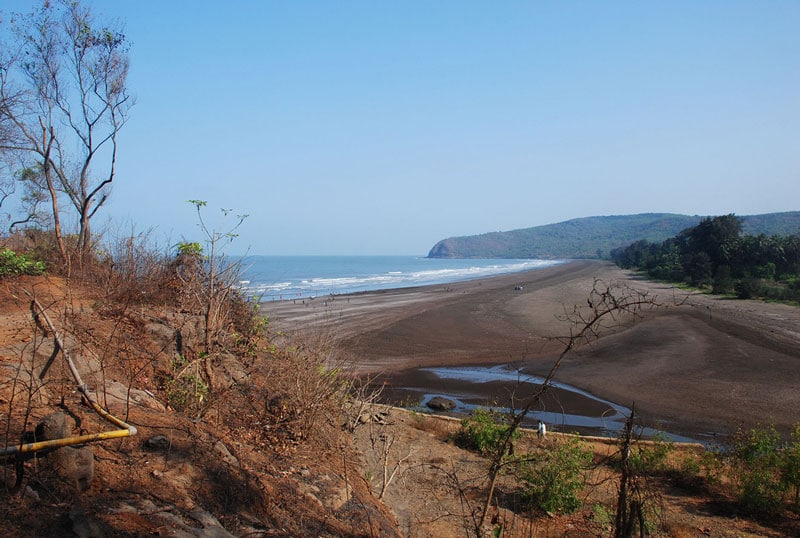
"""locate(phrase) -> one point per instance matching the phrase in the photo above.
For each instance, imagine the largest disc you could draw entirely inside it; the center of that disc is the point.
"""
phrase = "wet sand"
(702, 368)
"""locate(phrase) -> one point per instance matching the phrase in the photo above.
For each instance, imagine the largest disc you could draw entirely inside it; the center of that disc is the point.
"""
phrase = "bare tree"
(608, 307)
(8, 184)
(220, 275)
(63, 101)
(630, 513)
(7, 189)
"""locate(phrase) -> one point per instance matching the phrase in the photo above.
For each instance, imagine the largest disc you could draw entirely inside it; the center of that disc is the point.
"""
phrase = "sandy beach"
(699, 366)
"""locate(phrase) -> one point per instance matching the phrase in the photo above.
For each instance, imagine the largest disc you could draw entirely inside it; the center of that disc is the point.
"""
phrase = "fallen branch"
(126, 430)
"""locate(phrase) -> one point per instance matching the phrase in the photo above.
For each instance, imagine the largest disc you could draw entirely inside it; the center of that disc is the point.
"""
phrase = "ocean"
(290, 277)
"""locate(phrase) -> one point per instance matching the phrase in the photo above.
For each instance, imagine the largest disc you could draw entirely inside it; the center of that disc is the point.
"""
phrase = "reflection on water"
(576, 410)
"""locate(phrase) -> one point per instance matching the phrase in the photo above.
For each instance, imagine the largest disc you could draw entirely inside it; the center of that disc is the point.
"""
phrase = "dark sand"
(704, 367)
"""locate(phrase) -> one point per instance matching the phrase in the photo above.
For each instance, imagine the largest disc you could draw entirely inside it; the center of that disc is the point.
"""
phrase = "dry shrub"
(307, 388)
(248, 324)
(132, 271)
(182, 280)
(294, 393)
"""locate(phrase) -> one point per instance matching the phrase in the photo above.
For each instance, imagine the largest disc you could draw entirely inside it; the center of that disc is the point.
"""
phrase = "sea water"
(291, 277)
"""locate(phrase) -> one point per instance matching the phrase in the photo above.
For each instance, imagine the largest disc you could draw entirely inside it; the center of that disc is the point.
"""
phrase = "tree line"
(716, 255)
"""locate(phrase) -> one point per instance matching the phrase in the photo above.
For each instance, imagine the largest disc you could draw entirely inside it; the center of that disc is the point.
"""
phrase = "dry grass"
(274, 406)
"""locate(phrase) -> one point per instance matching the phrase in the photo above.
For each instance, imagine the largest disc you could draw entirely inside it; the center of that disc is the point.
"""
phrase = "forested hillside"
(717, 254)
(595, 237)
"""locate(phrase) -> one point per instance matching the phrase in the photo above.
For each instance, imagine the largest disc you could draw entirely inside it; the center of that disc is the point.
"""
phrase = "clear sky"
(380, 127)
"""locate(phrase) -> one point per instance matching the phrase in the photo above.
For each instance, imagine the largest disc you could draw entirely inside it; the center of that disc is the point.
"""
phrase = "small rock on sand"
(441, 404)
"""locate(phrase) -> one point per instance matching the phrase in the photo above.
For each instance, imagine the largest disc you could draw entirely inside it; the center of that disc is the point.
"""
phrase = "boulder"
(438, 403)
(53, 426)
(75, 463)
(158, 442)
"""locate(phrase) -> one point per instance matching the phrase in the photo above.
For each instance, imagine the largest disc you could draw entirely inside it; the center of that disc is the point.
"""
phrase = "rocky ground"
(225, 467)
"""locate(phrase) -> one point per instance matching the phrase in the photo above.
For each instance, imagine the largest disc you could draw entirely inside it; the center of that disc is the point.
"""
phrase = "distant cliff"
(594, 237)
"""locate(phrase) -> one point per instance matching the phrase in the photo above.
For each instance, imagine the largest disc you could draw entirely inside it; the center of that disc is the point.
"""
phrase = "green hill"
(594, 237)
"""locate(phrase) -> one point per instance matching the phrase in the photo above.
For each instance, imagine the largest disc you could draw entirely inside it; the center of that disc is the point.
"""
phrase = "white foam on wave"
(263, 288)
(350, 283)
(478, 270)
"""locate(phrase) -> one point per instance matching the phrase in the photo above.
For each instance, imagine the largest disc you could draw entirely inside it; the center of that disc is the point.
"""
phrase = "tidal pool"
(563, 408)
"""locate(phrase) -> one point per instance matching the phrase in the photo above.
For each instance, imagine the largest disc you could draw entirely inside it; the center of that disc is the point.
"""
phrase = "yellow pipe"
(127, 430)
(64, 441)
(109, 417)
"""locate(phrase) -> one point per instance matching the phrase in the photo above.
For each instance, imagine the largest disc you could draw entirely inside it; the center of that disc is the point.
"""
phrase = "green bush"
(723, 281)
(190, 249)
(185, 387)
(758, 446)
(482, 431)
(688, 472)
(12, 263)
(602, 516)
(790, 466)
(761, 492)
(748, 288)
(554, 477)
(758, 459)
(648, 459)
(712, 465)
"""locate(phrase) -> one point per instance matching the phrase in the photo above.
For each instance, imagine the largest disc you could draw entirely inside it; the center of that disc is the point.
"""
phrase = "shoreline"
(701, 369)
(327, 276)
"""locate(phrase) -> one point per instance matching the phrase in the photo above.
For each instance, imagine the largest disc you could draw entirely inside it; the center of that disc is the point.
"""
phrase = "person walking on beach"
(541, 430)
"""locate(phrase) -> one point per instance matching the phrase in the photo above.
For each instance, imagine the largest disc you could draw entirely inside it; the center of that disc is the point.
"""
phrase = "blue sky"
(347, 127)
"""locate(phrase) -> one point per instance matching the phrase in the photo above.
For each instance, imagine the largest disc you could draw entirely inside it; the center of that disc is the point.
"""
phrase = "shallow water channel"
(563, 408)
